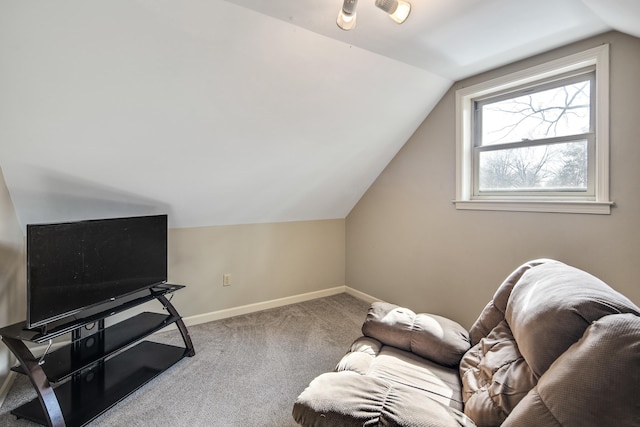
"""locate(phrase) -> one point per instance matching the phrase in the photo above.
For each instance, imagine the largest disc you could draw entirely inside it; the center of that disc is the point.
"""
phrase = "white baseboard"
(251, 308)
(361, 295)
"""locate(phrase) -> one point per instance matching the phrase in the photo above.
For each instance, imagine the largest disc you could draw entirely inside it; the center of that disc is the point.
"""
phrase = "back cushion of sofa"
(552, 305)
(594, 383)
(493, 313)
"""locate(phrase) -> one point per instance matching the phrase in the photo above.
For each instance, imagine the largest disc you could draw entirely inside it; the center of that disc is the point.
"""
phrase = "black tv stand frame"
(100, 366)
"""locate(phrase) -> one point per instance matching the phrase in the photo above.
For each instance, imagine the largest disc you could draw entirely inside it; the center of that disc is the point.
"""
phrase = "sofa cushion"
(369, 357)
(493, 312)
(381, 385)
(348, 399)
(552, 305)
(495, 377)
(434, 337)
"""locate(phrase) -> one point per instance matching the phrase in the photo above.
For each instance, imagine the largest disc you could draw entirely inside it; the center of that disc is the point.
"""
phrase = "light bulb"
(346, 21)
(402, 12)
(347, 15)
(398, 10)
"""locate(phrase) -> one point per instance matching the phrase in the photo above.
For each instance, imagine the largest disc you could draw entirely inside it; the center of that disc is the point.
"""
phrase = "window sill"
(579, 207)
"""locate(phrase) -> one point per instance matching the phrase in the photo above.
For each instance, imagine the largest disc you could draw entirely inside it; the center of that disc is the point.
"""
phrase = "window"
(537, 140)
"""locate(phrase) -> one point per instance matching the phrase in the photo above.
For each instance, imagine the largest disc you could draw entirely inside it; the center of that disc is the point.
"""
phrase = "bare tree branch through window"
(536, 141)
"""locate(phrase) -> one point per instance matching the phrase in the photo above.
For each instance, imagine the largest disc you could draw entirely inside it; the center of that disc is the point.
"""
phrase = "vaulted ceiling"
(240, 111)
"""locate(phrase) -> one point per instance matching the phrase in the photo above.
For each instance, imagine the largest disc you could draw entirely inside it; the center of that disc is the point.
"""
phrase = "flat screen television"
(76, 266)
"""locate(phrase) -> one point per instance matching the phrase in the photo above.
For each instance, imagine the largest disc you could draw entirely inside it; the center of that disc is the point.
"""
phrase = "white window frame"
(600, 204)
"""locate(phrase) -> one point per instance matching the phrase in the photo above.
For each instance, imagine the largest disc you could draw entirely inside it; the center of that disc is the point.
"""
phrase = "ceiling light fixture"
(398, 10)
(347, 15)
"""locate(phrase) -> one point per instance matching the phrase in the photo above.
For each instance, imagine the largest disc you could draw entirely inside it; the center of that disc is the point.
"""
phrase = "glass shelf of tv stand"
(84, 398)
(19, 330)
(70, 359)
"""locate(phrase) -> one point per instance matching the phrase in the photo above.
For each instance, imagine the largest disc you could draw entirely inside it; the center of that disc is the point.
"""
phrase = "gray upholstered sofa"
(554, 347)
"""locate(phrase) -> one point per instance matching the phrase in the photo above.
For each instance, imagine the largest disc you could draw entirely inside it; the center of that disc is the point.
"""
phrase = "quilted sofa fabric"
(379, 385)
(592, 384)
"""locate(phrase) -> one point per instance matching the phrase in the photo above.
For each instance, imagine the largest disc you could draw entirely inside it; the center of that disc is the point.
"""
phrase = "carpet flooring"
(247, 371)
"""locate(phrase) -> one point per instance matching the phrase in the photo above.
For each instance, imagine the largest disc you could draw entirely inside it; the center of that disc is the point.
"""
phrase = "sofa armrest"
(433, 337)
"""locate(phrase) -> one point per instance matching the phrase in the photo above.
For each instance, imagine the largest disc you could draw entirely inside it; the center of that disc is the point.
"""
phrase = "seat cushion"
(369, 357)
(349, 399)
(375, 384)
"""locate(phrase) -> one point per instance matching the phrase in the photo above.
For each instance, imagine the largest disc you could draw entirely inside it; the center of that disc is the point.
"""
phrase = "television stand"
(101, 365)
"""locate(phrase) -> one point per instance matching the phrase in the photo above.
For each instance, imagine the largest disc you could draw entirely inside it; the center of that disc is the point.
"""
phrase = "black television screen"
(73, 266)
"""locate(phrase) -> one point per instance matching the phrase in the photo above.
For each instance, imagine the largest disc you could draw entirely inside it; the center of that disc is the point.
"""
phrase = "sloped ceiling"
(240, 111)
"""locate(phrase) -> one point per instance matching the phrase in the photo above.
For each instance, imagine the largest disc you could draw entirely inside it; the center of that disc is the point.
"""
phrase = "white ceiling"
(240, 111)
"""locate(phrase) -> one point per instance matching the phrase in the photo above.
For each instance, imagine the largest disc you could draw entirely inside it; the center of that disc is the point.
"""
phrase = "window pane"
(557, 167)
(549, 113)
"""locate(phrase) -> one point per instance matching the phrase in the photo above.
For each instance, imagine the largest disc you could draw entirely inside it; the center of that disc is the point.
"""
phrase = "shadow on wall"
(43, 195)
(12, 296)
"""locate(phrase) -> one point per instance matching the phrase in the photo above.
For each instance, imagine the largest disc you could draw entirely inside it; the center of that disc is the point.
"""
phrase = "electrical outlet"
(226, 279)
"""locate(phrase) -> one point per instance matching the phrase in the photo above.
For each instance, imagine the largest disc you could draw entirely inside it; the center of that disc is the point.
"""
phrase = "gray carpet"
(248, 370)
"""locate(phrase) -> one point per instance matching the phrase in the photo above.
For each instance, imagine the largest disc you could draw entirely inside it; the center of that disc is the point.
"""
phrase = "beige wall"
(407, 244)
(12, 272)
(266, 262)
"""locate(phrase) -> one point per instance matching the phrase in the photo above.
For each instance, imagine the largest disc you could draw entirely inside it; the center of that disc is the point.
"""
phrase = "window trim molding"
(598, 57)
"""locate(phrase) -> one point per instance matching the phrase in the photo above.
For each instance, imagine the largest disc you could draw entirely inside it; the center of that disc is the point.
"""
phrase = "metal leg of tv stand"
(189, 351)
(36, 375)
